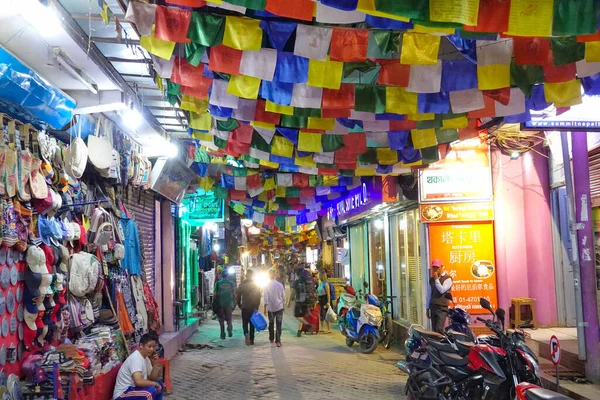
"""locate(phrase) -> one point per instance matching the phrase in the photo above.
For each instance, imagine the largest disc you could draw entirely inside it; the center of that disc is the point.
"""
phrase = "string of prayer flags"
(143, 15)
(298, 9)
(349, 45)
(530, 18)
(160, 48)
(206, 29)
(418, 48)
(572, 18)
(172, 24)
(463, 11)
(242, 33)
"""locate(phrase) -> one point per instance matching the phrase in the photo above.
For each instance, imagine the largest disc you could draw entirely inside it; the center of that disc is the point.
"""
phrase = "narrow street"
(311, 367)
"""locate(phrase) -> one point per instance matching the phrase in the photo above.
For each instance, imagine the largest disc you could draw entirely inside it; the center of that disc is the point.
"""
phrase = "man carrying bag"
(248, 300)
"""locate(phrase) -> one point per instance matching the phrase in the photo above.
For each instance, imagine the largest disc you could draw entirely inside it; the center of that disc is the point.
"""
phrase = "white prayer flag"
(466, 100)
(259, 64)
(304, 96)
(220, 97)
(425, 78)
(312, 42)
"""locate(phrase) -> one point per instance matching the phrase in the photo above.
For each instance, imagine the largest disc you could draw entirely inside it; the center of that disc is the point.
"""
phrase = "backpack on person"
(301, 291)
(332, 293)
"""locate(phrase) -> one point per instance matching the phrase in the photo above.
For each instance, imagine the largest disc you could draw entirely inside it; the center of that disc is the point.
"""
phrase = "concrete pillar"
(587, 265)
(168, 264)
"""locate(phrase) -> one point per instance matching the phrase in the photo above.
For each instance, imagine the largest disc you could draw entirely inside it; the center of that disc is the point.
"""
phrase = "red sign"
(554, 350)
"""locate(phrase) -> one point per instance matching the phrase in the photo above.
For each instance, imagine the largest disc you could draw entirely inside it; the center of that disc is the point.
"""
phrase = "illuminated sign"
(359, 199)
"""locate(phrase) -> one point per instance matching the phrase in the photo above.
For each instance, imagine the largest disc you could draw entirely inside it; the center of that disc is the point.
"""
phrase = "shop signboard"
(457, 212)
(467, 252)
(359, 199)
(170, 177)
(463, 175)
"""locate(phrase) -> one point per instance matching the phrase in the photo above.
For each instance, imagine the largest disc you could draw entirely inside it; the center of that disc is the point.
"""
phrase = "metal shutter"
(140, 203)
(595, 173)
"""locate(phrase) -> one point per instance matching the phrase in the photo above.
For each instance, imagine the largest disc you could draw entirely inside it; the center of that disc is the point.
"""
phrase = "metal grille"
(140, 203)
(595, 173)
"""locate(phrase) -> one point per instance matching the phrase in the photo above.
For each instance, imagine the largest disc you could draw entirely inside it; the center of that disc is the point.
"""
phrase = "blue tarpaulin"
(26, 96)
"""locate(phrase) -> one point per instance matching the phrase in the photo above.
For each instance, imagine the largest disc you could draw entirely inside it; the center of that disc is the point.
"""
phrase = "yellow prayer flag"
(263, 196)
(280, 191)
(244, 86)
(242, 33)
(203, 136)
(201, 122)
(206, 183)
(531, 18)
(310, 142)
(329, 180)
(263, 125)
(455, 123)
(420, 117)
(269, 164)
(414, 164)
(364, 171)
(278, 108)
(305, 161)
(563, 93)
(269, 184)
(493, 76)
(191, 103)
(399, 101)
(423, 138)
(160, 48)
(573, 102)
(280, 146)
(461, 11)
(433, 30)
(387, 156)
(592, 51)
(368, 7)
(325, 74)
(419, 48)
(327, 124)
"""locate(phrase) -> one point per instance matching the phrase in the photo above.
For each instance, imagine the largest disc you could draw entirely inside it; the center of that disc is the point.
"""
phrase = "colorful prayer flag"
(349, 45)
(172, 24)
(464, 11)
(243, 86)
(206, 29)
(493, 76)
(225, 59)
(312, 42)
(325, 74)
(531, 18)
(242, 33)
(419, 48)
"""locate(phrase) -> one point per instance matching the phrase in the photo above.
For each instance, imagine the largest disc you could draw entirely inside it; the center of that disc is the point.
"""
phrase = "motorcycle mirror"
(366, 285)
(485, 304)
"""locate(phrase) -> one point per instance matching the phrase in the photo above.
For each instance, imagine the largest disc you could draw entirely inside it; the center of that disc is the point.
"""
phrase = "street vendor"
(138, 376)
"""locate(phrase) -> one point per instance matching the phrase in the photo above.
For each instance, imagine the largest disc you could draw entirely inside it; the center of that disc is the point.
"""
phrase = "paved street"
(311, 367)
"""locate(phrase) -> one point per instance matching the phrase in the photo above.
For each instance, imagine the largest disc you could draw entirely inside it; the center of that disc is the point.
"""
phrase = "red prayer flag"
(300, 180)
(243, 134)
(235, 148)
(298, 206)
(559, 73)
(402, 125)
(595, 37)
(356, 142)
(339, 99)
(186, 74)
(328, 171)
(349, 45)
(345, 155)
(531, 51)
(489, 109)
(470, 131)
(200, 90)
(393, 73)
(172, 24)
(188, 3)
(335, 113)
(292, 200)
(307, 192)
(237, 194)
(347, 165)
(493, 16)
(296, 9)
(225, 59)
(502, 96)
(262, 115)
(269, 220)
(253, 181)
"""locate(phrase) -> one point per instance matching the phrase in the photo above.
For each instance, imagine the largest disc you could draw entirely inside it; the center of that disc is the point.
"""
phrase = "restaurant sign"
(467, 253)
(457, 212)
(358, 200)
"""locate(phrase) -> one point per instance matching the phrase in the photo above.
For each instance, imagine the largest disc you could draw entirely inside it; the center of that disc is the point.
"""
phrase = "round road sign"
(554, 350)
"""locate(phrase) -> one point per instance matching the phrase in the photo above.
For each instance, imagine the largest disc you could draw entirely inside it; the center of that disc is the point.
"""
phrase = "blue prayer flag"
(291, 68)
(458, 75)
(279, 32)
(398, 139)
(277, 92)
(437, 103)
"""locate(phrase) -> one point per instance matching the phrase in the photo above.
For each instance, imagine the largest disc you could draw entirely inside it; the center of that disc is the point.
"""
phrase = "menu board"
(467, 252)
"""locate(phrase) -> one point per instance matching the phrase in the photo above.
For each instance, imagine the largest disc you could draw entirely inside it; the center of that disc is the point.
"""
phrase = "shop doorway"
(563, 272)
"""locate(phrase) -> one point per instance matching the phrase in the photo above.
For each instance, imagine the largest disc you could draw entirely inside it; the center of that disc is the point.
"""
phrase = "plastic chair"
(166, 374)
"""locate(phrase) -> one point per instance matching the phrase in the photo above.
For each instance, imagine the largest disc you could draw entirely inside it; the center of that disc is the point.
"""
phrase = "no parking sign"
(554, 350)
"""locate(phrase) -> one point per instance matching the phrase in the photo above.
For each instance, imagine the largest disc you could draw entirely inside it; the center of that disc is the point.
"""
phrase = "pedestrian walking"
(300, 293)
(325, 300)
(224, 295)
(274, 304)
(438, 296)
(248, 300)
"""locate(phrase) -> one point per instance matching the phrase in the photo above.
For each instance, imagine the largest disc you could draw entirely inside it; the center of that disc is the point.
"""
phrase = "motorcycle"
(386, 330)
(529, 391)
(360, 322)
(447, 367)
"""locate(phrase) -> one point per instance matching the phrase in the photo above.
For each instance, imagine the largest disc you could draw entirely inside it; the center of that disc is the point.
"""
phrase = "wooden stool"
(166, 374)
(522, 309)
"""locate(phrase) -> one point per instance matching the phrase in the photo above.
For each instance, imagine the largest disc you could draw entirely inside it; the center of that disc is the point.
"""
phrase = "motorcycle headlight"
(533, 362)
(468, 319)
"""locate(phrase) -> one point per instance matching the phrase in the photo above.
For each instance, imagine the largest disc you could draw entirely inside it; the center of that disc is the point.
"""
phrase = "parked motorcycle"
(360, 322)
(386, 330)
(529, 391)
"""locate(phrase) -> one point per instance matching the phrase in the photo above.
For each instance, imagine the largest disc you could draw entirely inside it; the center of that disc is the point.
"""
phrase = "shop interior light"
(172, 150)
(132, 117)
(216, 247)
(379, 224)
(515, 155)
(231, 270)
(42, 18)
(246, 222)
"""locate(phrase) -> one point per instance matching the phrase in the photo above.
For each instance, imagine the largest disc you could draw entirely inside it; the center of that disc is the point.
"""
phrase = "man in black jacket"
(248, 300)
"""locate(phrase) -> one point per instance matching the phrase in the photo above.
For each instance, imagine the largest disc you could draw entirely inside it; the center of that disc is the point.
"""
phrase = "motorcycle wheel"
(349, 342)
(388, 338)
(368, 344)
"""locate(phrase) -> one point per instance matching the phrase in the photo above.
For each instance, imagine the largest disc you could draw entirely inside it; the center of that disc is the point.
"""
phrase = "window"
(406, 267)
(377, 257)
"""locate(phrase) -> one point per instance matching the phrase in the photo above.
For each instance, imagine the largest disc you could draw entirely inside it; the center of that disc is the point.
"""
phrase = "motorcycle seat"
(419, 333)
(453, 359)
(543, 394)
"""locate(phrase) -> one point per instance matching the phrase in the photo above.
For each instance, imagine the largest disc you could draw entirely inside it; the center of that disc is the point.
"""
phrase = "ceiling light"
(131, 117)
(43, 19)
(64, 64)
(216, 247)
(172, 150)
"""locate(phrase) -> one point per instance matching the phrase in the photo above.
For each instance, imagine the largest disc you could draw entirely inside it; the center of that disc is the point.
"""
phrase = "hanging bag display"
(101, 156)
(76, 156)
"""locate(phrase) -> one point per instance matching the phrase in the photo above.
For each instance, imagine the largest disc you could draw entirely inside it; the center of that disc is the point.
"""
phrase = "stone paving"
(311, 367)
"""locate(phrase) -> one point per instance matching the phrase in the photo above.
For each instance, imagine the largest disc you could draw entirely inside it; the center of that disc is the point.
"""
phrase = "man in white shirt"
(138, 376)
(274, 299)
(438, 296)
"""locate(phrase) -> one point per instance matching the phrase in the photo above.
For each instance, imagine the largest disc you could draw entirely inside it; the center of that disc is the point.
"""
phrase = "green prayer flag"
(220, 192)
(220, 143)
(346, 172)
(249, 159)
(238, 208)
(239, 171)
(324, 165)
(370, 157)
(446, 135)
(332, 142)
(290, 121)
(386, 43)
(363, 67)
(474, 35)
(428, 124)
(566, 50)
(575, 17)
(172, 99)
(194, 53)
(173, 88)
(280, 221)
(292, 192)
(251, 4)
(206, 29)
(228, 125)
(283, 205)
(259, 143)
(430, 154)
(202, 156)
(369, 98)
(307, 112)
(315, 180)
(414, 9)
(525, 77)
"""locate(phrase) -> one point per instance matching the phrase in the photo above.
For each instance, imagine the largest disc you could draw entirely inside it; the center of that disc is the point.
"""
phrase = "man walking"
(274, 303)
(438, 296)
(248, 300)
(300, 293)
(224, 294)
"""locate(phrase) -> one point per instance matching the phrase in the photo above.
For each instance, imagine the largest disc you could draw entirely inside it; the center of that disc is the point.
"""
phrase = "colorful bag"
(259, 321)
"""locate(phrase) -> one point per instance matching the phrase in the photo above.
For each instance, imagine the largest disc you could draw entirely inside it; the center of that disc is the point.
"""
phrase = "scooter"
(362, 326)
(529, 391)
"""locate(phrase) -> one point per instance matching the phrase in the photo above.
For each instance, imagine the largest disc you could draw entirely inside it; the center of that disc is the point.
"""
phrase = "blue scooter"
(362, 323)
